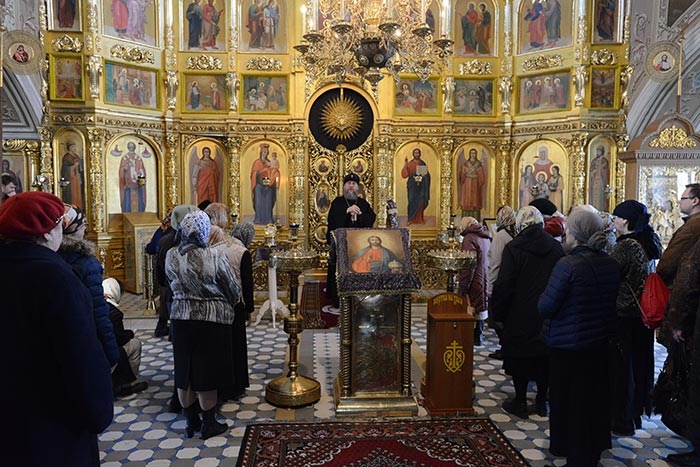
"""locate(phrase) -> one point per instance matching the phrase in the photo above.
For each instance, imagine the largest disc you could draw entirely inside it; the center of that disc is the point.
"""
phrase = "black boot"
(194, 423)
(211, 427)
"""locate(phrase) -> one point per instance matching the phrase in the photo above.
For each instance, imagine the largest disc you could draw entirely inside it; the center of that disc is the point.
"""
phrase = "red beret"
(29, 215)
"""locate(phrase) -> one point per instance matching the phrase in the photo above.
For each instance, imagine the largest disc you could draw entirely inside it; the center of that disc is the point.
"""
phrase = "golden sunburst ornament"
(341, 118)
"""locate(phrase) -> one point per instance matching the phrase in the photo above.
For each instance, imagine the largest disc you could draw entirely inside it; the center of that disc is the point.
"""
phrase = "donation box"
(447, 385)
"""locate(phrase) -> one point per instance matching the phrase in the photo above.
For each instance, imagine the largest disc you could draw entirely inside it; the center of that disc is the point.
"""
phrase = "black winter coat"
(578, 305)
(57, 387)
(526, 264)
(80, 254)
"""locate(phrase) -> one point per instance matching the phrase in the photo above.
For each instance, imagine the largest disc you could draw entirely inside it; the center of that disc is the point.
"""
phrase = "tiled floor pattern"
(144, 434)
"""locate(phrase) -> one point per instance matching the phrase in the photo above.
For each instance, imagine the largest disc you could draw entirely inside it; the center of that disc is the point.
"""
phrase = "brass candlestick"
(293, 390)
(452, 259)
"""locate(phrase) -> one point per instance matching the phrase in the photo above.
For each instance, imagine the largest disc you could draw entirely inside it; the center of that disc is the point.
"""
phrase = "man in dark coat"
(50, 342)
(526, 265)
(348, 210)
(685, 330)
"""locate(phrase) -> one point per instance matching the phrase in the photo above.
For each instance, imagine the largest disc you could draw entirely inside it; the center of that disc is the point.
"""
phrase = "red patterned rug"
(419, 443)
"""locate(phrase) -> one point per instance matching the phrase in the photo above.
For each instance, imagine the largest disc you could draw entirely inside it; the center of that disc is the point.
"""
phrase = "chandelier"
(362, 37)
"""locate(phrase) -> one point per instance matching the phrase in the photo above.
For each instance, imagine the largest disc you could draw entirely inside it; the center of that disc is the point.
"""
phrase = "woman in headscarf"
(79, 252)
(473, 282)
(205, 293)
(57, 379)
(578, 307)
(218, 214)
(632, 357)
(526, 265)
(505, 231)
(242, 235)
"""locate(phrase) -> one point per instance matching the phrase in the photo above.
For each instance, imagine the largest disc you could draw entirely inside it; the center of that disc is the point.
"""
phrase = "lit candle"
(303, 20)
(342, 10)
(389, 9)
(422, 11)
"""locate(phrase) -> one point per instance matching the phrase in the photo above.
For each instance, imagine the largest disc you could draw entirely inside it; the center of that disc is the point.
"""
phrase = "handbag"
(670, 394)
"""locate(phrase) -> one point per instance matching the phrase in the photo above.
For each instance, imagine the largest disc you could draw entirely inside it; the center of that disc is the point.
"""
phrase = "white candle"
(447, 18)
(389, 9)
(303, 21)
(342, 10)
(422, 11)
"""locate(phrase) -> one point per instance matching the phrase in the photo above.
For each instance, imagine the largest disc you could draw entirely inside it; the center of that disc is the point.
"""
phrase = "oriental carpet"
(407, 443)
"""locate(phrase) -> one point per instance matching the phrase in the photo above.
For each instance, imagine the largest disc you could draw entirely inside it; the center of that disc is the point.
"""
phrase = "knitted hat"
(72, 220)
(545, 206)
(351, 178)
(29, 215)
(634, 212)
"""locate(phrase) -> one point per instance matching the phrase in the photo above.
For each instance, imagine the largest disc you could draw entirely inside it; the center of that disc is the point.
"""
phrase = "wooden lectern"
(447, 385)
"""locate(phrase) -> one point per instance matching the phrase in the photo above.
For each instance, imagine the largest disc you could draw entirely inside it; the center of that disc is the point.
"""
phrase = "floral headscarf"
(526, 217)
(193, 232)
(243, 231)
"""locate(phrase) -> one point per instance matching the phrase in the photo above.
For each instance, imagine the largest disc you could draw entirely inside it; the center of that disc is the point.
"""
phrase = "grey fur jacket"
(203, 284)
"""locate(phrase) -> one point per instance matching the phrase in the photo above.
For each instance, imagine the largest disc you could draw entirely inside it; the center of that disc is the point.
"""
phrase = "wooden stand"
(447, 385)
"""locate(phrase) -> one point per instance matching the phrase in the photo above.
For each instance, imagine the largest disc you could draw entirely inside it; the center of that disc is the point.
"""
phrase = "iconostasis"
(157, 103)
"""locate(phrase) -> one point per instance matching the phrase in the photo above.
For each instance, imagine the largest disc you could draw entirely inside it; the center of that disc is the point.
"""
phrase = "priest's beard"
(351, 195)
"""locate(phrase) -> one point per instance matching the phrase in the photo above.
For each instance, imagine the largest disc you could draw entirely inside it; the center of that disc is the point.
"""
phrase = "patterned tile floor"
(144, 434)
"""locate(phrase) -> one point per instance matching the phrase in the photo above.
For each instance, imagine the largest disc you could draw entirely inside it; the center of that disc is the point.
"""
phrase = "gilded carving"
(171, 85)
(117, 259)
(576, 148)
(46, 162)
(170, 55)
(625, 81)
(13, 145)
(582, 29)
(96, 188)
(505, 86)
(446, 145)
(232, 36)
(92, 16)
(204, 62)
(448, 88)
(171, 142)
(132, 54)
(94, 68)
(505, 160)
(508, 44)
(233, 147)
(580, 80)
(604, 57)
(264, 64)
(66, 43)
(673, 137)
(542, 62)
(507, 66)
(474, 67)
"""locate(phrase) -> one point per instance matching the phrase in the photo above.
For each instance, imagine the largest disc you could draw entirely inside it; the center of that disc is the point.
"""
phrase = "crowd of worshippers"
(563, 295)
(561, 292)
(67, 330)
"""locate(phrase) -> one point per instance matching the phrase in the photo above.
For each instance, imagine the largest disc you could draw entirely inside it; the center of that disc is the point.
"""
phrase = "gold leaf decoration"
(475, 67)
(604, 57)
(673, 137)
(204, 62)
(66, 43)
(132, 54)
(264, 64)
(541, 62)
(341, 118)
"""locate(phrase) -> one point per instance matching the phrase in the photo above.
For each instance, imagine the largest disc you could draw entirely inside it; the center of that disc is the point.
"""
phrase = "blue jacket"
(81, 256)
(578, 304)
(57, 386)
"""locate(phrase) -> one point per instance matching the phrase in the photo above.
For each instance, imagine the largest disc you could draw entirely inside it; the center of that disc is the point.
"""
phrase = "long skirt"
(240, 381)
(579, 391)
(203, 354)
